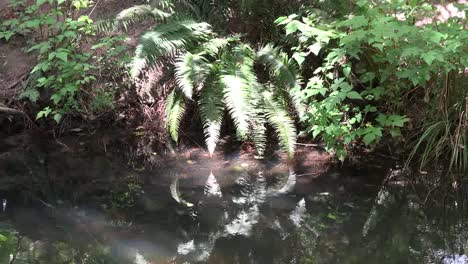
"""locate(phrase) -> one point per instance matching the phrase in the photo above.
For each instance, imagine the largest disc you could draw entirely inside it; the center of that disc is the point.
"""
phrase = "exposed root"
(11, 111)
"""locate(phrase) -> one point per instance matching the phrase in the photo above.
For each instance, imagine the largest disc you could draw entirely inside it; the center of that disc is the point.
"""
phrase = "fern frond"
(213, 46)
(259, 137)
(238, 78)
(142, 12)
(236, 101)
(212, 109)
(190, 70)
(175, 108)
(258, 119)
(278, 117)
(166, 40)
(132, 16)
(236, 75)
(243, 56)
(297, 101)
(285, 73)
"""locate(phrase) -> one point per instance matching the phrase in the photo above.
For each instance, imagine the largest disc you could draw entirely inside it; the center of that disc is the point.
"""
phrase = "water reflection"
(241, 216)
(174, 188)
(212, 187)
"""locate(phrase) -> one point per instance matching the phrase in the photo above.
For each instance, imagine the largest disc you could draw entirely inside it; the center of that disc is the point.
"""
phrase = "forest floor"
(14, 66)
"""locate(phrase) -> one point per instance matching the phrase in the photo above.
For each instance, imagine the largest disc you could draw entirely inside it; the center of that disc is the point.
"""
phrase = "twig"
(18, 247)
(309, 145)
(63, 145)
(11, 111)
(92, 10)
(193, 141)
(386, 156)
(429, 193)
(307, 174)
(20, 79)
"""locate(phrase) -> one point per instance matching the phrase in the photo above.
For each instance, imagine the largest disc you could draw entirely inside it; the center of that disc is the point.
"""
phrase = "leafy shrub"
(372, 62)
(63, 68)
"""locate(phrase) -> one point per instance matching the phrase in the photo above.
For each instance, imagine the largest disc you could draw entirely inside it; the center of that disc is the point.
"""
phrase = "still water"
(94, 210)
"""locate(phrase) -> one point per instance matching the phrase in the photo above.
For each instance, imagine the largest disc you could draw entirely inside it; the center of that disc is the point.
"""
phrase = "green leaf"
(370, 108)
(292, 27)
(6, 35)
(31, 94)
(362, 3)
(58, 117)
(44, 113)
(347, 71)
(430, 56)
(315, 48)
(316, 132)
(56, 98)
(355, 22)
(62, 56)
(397, 120)
(345, 87)
(354, 95)
(175, 109)
(369, 138)
(436, 37)
(284, 20)
(395, 132)
(280, 20)
(372, 135)
(299, 57)
(382, 119)
(34, 23)
(41, 2)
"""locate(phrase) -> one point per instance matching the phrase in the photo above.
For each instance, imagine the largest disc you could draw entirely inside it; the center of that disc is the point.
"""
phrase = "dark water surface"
(66, 209)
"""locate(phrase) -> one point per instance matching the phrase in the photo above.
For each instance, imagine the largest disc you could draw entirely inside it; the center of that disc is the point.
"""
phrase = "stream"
(61, 207)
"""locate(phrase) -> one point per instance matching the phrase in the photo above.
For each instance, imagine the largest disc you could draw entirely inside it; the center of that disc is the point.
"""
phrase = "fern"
(212, 109)
(166, 40)
(140, 13)
(191, 69)
(175, 108)
(284, 72)
(238, 78)
(258, 123)
(235, 99)
(213, 46)
(219, 73)
(277, 115)
(131, 16)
